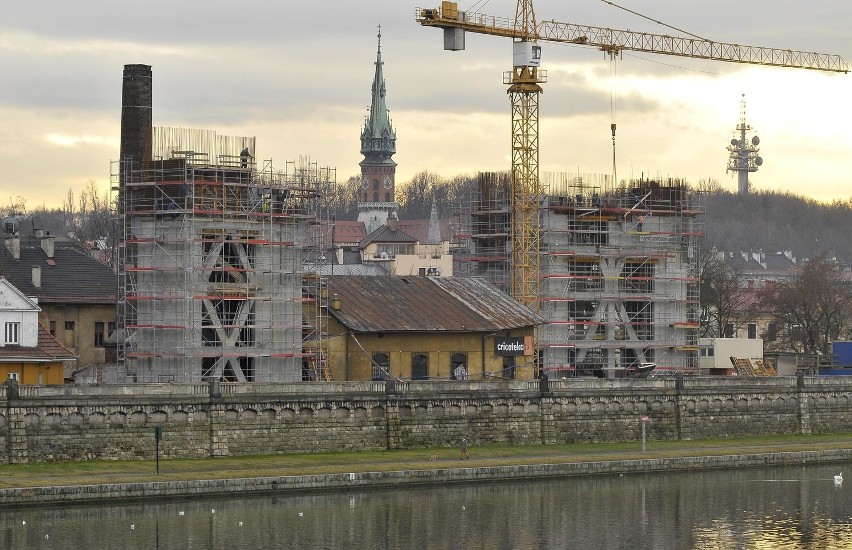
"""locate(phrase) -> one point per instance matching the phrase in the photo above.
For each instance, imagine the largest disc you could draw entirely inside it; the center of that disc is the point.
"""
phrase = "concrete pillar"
(218, 437)
(803, 400)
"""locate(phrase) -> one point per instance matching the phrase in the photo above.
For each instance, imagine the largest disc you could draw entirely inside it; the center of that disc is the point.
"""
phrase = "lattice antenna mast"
(743, 152)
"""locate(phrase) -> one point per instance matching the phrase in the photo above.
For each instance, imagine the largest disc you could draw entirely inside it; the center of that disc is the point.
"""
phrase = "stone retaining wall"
(48, 423)
(288, 485)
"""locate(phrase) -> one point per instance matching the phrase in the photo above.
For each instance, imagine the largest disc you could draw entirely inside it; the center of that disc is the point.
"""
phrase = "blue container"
(842, 352)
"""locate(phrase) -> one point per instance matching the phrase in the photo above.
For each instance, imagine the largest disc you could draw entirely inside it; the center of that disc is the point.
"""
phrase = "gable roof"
(419, 229)
(12, 299)
(387, 234)
(426, 304)
(71, 276)
(48, 350)
(344, 231)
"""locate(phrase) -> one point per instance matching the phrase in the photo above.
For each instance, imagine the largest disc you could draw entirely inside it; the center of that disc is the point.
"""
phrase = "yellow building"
(28, 353)
(427, 328)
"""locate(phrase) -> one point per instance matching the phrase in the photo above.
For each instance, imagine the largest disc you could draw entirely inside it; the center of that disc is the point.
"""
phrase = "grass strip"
(144, 471)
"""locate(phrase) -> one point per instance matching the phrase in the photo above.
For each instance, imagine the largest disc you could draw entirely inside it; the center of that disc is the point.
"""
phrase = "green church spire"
(378, 138)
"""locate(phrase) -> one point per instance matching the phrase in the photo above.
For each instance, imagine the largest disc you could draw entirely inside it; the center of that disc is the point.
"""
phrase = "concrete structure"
(618, 280)
(48, 423)
(420, 328)
(214, 249)
(378, 144)
(28, 353)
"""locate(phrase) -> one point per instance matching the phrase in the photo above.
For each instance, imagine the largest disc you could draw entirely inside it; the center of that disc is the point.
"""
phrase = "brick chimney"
(36, 276)
(13, 245)
(47, 244)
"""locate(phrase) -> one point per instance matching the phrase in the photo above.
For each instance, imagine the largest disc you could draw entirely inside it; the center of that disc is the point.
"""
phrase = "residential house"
(28, 353)
(76, 293)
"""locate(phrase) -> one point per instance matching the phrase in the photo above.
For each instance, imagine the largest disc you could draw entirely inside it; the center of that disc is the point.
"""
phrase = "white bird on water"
(838, 479)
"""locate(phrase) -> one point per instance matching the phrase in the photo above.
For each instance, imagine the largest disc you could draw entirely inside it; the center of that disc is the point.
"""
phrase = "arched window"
(458, 366)
(376, 197)
(387, 197)
(419, 366)
(381, 366)
(375, 184)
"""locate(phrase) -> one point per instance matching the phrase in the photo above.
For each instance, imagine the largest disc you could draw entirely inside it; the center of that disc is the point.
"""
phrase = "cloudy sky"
(297, 75)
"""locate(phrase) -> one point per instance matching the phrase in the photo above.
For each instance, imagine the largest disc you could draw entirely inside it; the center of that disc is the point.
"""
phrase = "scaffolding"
(619, 283)
(482, 230)
(215, 263)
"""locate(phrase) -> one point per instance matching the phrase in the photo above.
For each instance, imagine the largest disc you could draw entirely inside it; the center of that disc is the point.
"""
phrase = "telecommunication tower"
(743, 156)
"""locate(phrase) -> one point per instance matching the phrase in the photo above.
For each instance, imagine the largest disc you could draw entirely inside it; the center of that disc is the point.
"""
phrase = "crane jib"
(616, 40)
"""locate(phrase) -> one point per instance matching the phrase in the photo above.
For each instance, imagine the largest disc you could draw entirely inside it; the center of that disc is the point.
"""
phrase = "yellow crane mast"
(525, 81)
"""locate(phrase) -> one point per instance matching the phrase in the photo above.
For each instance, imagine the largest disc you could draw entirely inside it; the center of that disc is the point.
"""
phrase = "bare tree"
(415, 196)
(723, 301)
(814, 309)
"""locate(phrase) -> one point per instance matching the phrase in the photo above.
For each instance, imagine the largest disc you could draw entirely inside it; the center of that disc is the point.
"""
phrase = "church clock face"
(388, 182)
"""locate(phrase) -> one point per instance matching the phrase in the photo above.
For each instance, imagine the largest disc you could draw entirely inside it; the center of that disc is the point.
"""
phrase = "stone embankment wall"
(45, 423)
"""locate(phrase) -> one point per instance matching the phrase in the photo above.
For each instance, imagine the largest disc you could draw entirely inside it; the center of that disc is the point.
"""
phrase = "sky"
(297, 76)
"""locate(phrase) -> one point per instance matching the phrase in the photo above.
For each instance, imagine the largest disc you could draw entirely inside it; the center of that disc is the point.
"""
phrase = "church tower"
(378, 144)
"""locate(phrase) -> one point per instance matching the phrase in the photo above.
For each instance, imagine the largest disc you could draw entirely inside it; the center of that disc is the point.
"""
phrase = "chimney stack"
(36, 276)
(13, 245)
(47, 245)
(136, 119)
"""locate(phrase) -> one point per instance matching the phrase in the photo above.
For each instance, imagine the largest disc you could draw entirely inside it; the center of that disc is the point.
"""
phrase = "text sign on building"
(510, 345)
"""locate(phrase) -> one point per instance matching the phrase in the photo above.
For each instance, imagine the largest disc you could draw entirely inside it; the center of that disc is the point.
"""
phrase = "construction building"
(214, 253)
(618, 278)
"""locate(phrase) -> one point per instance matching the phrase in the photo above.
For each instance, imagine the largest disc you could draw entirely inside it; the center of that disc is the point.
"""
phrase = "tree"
(723, 301)
(814, 309)
(341, 198)
(415, 196)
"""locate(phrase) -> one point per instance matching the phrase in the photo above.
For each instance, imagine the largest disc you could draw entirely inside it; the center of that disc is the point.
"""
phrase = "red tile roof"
(48, 350)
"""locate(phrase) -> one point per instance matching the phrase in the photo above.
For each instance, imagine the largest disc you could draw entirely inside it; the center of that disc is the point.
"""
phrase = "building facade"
(76, 293)
(28, 353)
(427, 328)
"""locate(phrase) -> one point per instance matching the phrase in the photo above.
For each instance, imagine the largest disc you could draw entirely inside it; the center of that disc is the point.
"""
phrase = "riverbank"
(98, 481)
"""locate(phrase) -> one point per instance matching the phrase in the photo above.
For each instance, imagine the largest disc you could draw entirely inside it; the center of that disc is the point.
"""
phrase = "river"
(779, 507)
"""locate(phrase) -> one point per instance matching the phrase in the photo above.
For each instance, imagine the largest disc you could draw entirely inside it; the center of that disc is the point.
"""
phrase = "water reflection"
(791, 507)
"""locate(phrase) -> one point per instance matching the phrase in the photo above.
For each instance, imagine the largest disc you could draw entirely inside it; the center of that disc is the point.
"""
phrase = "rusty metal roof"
(426, 304)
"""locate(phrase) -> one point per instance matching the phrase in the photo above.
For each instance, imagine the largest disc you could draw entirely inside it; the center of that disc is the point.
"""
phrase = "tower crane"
(525, 81)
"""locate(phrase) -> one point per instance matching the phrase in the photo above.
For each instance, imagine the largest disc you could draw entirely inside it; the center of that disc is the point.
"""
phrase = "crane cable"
(654, 20)
(613, 75)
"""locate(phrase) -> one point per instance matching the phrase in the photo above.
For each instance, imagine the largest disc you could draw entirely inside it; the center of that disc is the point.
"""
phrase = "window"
(419, 366)
(99, 333)
(110, 329)
(13, 376)
(729, 330)
(509, 367)
(381, 366)
(458, 366)
(752, 330)
(69, 325)
(711, 352)
(13, 333)
(53, 328)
